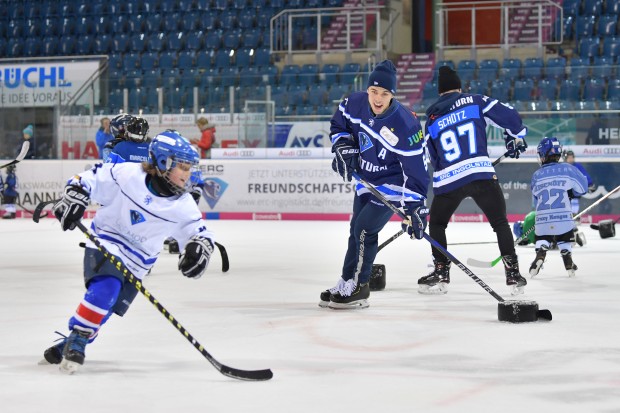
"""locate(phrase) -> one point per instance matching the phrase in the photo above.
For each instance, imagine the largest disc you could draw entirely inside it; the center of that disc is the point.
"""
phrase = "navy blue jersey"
(127, 151)
(457, 140)
(392, 154)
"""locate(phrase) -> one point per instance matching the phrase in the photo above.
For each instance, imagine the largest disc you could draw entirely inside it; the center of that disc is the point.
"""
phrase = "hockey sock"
(96, 306)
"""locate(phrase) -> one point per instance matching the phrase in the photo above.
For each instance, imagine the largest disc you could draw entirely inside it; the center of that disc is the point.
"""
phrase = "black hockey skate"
(352, 295)
(541, 254)
(437, 281)
(325, 295)
(53, 355)
(75, 348)
(513, 276)
(569, 265)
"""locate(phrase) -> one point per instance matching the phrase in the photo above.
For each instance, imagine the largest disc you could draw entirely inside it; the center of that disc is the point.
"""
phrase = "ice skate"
(74, 351)
(541, 254)
(436, 282)
(569, 265)
(580, 238)
(352, 295)
(513, 277)
(53, 355)
(327, 293)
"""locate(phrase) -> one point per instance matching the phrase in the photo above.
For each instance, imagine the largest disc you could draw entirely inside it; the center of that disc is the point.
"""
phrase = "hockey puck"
(377, 277)
(515, 311)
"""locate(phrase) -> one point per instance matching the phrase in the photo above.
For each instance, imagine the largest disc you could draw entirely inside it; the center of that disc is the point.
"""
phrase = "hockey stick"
(251, 375)
(224, 254)
(36, 214)
(434, 243)
(486, 264)
(401, 232)
(20, 157)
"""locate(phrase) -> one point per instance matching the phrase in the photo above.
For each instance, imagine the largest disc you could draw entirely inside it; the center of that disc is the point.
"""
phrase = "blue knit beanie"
(29, 130)
(384, 75)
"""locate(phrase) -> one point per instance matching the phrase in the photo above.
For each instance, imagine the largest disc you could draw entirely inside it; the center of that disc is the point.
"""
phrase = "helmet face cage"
(118, 125)
(137, 130)
(547, 148)
(166, 152)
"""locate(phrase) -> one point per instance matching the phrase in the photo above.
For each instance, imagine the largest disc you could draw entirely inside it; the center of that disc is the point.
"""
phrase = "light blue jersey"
(550, 186)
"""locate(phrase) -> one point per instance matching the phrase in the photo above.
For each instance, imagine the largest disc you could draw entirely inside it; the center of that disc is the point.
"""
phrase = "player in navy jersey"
(141, 205)
(457, 144)
(553, 187)
(130, 143)
(569, 157)
(377, 137)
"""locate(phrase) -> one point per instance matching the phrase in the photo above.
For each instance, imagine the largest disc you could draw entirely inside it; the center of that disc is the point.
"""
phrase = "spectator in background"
(103, 135)
(569, 157)
(28, 136)
(207, 137)
(9, 193)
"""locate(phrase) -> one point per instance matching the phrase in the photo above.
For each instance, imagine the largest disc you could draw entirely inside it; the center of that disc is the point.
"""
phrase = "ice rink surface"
(405, 353)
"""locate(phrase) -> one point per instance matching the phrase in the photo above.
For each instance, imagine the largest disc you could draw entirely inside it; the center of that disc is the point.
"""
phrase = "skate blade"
(516, 290)
(68, 367)
(323, 304)
(437, 289)
(349, 306)
(571, 273)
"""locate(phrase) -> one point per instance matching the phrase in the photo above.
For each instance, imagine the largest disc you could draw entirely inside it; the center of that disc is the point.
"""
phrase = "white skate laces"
(346, 288)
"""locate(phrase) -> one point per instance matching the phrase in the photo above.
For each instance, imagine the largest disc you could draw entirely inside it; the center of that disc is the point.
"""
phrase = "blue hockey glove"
(515, 146)
(195, 257)
(417, 214)
(346, 158)
(70, 209)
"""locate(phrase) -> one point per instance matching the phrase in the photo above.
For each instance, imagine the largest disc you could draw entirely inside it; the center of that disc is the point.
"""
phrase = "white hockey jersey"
(132, 223)
(550, 186)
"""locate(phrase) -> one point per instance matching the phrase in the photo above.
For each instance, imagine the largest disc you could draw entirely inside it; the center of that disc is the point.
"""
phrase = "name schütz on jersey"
(299, 188)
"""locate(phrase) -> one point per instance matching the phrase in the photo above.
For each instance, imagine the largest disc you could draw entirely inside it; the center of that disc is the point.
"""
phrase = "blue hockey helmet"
(549, 150)
(118, 125)
(166, 151)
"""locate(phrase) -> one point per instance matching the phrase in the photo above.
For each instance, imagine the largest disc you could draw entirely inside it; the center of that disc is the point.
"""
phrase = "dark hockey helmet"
(118, 125)
(137, 130)
(566, 154)
(166, 151)
(549, 150)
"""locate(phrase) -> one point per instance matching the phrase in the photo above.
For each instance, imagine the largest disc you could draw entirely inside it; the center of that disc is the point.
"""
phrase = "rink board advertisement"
(304, 188)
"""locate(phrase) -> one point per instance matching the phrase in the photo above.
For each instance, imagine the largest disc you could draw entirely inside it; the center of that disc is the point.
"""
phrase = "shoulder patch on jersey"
(389, 136)
(136, 217)
(365, 142)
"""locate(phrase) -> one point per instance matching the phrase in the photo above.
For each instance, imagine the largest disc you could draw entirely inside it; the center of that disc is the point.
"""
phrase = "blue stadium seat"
(171, 22)
(579, 68)
(151, 97)
(289, 74)
(186, 59)
(569, 28)
(151, 78)
(429, 91)
(136, 98)
(243, 57)
(603, 67)
(213, 40)
(168, 6)
(249, 76)
(500, 90)
(297, 95)
(175, 41)
(511, 68)
(584, 26)
(593, 89)
(85, 45)
(167, 60)
(102, 44)
(533, 68)
(191, 22)
(203, 59)
(48, 48)
(247, 19)
(548, 88)
(194, 41)
(487, 70)
(85, 25)
(317, 96)
(337, 92)
(156, 42)
(593, 7)
(209, 22)
(606, 25)
(68, 46)
(136, 24)
(228, 19)
(133, 78)
(588, 47)
(31, 47)
(231, 39)
(118, 24)
(609, 105)
(612, 7)
(467, 70)
(189, 78)
(251, 38)
(329, 74)
(269, 74)
(524, 90)
(50, 28)
(221, 59)
(137, 42)
(613, 90)
(262, 56)
(153, 23)
(308, 75)
(131, 60)
(570, 89)
(556, 68)
(229, 76)
(478, 87)
(585, 105)
(611, 46)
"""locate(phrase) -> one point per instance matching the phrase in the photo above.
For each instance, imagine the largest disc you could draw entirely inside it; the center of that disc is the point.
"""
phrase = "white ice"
(406, 352)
